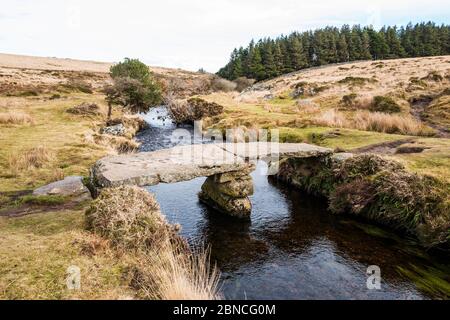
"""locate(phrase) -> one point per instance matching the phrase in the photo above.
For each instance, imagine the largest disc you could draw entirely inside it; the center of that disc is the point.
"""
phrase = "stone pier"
(229, 193)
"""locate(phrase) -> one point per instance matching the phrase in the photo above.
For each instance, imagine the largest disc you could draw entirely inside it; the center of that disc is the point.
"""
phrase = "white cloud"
(179, 33)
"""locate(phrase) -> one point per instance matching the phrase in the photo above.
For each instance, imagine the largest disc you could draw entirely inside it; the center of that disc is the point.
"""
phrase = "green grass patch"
(335, 138)
(50, 200)
(36, 251)
(356, 81)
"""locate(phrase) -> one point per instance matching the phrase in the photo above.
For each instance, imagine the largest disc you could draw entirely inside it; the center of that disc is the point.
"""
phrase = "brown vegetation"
(384, 104)
(224, 85)
(161, 264)
(15, 118)
(117, 143)
(26, 160)
(383, 122)
(191, 110)
(373, 121)
(86, 109)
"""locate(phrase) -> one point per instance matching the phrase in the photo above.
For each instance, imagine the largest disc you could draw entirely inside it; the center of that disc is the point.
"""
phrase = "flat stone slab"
(261, 150)
(184, 163)
(167, 166)
(71, 187)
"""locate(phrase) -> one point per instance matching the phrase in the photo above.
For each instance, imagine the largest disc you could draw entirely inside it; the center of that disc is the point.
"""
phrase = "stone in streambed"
(211, 194)
(237, 188)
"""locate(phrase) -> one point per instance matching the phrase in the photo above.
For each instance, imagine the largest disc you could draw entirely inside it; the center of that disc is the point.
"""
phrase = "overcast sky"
(186, 34)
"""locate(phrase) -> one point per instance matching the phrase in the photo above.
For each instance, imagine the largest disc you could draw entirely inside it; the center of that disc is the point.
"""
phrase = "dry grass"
(37, 249)
(373, 121)
(382, 122)
(178, 109)
(331, 118)
(129, 217)
(271, 109)
(15, 118)
(29, 159)
(224, 85)
(116, 143)
(163, 266)
(173, 274)
(87, 109)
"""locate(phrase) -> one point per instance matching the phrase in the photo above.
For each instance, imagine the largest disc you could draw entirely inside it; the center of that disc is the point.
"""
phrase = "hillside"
(25, 73)
(335, 106)
(52, 112)
(268, 58)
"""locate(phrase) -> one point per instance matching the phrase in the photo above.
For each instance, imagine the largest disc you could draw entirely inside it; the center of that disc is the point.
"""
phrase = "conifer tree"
(343, 55)
(271, 57)
(297, 54)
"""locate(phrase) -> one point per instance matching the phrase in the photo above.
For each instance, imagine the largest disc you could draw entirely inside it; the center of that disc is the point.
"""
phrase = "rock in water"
(230, 197)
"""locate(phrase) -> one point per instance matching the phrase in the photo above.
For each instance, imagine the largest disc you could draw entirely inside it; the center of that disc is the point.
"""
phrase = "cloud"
(178, 33)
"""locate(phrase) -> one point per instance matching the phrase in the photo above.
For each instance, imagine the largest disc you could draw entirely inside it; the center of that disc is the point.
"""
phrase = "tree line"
(269, 58)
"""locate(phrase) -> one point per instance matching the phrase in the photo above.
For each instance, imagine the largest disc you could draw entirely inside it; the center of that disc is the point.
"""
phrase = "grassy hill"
(40, 142)
(399, 104)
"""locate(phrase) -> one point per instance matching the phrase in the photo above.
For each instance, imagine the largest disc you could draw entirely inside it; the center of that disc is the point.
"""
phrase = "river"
(293, 248)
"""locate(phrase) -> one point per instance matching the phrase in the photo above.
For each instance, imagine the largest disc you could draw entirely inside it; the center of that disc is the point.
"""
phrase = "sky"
(187, 34)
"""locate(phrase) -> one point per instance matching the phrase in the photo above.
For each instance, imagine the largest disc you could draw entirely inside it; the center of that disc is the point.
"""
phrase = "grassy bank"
(44, 138)
(37, 249)
(63, 137)
(378, 189)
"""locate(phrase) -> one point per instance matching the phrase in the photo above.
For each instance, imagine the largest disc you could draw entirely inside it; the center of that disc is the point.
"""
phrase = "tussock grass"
(86, 109)
(162, 265)
(383, 122)
(36, 157)
(117, 143)
(173, 274)
(128, 216)
(37, 249)
(15, 118)
(356, 81)
(373, 121)
(331, 118)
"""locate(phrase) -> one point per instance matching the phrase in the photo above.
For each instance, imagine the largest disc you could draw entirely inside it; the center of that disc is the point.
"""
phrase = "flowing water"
(293, 248)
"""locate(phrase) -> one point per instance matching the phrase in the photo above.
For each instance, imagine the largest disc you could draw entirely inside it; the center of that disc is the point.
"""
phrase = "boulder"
(231, 196)
(232, 206)
(237, 188)
(69, 187)
(116, 130)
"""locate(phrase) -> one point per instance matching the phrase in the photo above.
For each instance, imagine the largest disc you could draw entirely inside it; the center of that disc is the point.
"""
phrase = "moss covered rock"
(230, 197)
